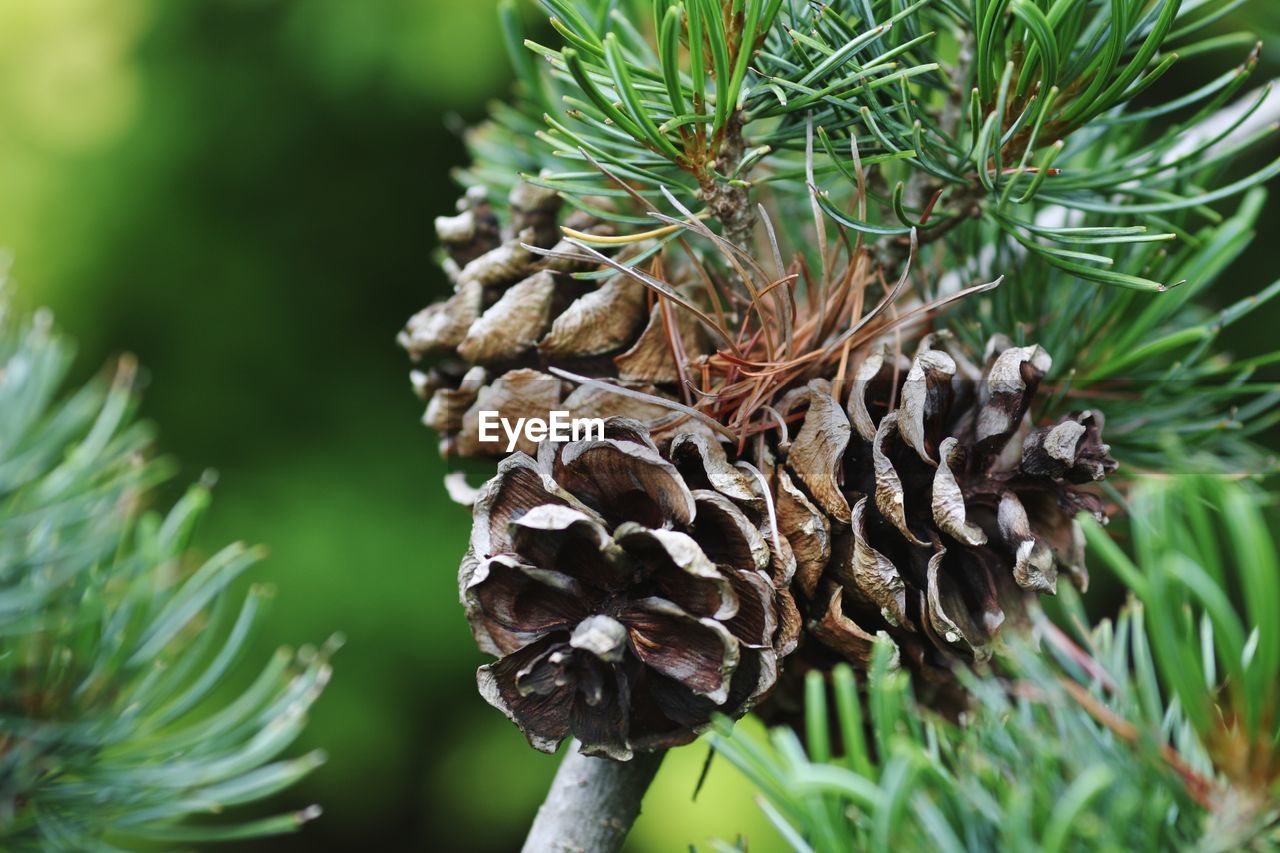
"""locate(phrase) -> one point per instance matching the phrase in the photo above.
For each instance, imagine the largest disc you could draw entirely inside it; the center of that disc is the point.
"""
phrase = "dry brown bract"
(628, 595)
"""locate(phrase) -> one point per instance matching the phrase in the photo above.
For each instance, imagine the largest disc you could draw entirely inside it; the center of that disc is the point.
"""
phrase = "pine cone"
(933, 520)
(514, 313)
(628, 596)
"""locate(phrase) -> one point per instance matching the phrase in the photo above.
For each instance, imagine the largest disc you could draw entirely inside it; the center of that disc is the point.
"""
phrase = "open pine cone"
(927, 507)
(514, 313)
(627, 599)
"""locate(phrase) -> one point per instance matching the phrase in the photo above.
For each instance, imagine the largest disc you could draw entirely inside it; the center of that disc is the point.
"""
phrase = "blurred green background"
(241, 192)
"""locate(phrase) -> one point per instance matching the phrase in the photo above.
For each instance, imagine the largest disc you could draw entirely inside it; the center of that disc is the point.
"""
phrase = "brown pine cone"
(628, 597)
(927, 507)
(514, 313)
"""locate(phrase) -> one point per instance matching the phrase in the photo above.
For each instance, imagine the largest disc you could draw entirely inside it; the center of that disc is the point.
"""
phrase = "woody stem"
(591, 804)
(728, 202)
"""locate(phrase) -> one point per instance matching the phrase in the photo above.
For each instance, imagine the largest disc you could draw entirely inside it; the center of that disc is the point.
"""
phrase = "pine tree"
(116, 724)
(931, 278)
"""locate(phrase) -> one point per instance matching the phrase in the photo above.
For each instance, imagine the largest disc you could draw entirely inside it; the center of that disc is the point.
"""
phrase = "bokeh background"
(241, 192)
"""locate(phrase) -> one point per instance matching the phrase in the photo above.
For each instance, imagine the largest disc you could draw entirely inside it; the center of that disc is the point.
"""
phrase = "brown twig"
(1198, 787)
(592, 803)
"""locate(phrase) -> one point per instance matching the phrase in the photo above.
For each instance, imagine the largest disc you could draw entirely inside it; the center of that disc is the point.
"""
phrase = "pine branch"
(1156, 729)
(1232, 124)
(885, 141)
(116, 638)
(1028, 769)
(1160, 369)
(592, 803)
(1001, 109)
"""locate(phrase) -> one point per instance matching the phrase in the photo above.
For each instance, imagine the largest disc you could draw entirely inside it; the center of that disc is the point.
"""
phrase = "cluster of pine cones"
(634, 584)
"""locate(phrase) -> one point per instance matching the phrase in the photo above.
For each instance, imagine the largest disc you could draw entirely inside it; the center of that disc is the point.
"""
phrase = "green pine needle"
(115, 640)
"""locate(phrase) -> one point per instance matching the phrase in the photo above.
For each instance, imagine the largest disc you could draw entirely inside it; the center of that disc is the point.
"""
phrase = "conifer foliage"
(899, 262)
(117, 642)
(897, 320)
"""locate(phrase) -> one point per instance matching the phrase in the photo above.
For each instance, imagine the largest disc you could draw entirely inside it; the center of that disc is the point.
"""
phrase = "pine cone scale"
(541, 709)
(726, 534)
(699, 653)
(680, 569)
(524, 599)
(815, 455)
(626, 480)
